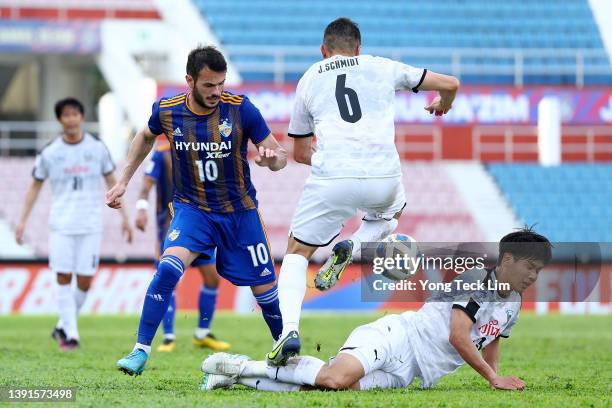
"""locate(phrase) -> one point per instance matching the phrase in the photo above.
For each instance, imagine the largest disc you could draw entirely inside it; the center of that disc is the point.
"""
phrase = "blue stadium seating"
(568, 203)
(390, 23)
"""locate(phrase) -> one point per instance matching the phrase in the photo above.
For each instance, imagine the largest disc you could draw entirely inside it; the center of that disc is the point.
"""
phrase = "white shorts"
(74, 253)
(327, 203)
(384, 346)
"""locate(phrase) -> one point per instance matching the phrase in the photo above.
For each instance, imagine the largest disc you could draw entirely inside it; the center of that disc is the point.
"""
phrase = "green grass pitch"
(565, 361)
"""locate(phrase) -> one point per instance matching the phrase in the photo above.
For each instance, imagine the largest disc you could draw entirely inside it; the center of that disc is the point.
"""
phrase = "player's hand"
(19, 233)
(508, 383)
(438, 106)
(266, 157)
(113, 196)
(141, 220)
(126, 229)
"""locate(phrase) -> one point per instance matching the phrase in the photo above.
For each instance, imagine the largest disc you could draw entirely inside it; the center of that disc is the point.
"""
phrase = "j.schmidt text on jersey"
(341, 63)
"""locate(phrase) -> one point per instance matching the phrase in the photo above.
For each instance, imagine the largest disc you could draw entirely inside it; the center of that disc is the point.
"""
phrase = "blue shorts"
(206, 258)
(243, 253)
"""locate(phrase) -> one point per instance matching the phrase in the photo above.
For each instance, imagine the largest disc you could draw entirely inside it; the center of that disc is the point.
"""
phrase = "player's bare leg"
(370, 230)
(82, 289)
(291, 292)
(344, 372)
(208, 296)
(169, 271)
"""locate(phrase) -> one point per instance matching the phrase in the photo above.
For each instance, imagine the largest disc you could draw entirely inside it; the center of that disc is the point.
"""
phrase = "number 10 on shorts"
(259, 254)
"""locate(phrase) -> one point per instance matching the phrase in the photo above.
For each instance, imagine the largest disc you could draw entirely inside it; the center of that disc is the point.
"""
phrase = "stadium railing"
(283, 61)
(506, 143)
(509, 141)
(64, 10)
(25, 138)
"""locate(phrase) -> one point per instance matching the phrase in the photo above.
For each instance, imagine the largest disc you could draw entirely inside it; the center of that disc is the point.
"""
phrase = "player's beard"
(200, 100)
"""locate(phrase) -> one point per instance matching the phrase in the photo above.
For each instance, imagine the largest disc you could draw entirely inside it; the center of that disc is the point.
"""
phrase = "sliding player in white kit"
(75, 162)
(347, 101)
(448, 331)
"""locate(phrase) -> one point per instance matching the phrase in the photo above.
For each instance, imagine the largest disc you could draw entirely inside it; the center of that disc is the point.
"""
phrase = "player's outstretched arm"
(303, 150)
(460, 339)
(271, 154)
(447, 87)
(139, 149)
(30, 200)
(491, 354)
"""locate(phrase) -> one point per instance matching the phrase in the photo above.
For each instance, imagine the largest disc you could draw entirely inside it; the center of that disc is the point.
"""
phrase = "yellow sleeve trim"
(168, 105)
(174, 98)
(226, 97)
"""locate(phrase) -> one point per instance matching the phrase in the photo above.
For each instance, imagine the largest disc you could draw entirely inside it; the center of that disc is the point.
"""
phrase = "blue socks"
(168, 322)
(159, 296)
(160, 301)
(206, 304)
(270, 309)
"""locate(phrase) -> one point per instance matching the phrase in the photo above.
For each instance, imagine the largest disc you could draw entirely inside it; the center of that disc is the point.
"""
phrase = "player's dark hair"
(525, 244)
(202, 57)
(63, 103)
(342, 34)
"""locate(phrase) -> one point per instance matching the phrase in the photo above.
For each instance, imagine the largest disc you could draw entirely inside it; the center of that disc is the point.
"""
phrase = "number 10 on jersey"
(208, 171)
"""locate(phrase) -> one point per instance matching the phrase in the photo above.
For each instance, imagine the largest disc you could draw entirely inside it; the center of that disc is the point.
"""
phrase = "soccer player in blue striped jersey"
(214, 203)
(158, 174)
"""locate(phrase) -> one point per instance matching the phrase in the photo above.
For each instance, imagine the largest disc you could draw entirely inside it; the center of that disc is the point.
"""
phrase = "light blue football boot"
(134, 363)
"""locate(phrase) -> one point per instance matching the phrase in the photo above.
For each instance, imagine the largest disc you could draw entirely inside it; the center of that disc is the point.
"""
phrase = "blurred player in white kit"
(75, 163)
(347, 101)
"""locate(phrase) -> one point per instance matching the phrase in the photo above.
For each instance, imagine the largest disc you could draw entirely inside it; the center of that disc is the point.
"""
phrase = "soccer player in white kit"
(347, 101)
(75, 163)
(448, 331)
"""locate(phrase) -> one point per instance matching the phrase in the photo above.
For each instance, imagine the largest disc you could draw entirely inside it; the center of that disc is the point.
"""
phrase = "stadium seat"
(568, 203)
(388, 23)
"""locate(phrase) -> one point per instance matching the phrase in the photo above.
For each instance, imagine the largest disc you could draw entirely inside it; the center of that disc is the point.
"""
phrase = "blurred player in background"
(214, 200)
(448, 331)
(347, 100)
(159, 174)
(75, 164)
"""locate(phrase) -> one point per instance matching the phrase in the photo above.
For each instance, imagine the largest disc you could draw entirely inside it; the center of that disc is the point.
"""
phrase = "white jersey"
(429, 328)
(75, 171)
(349, 104)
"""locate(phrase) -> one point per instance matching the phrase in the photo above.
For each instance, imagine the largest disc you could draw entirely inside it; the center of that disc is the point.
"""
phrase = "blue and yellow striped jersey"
(209, 152)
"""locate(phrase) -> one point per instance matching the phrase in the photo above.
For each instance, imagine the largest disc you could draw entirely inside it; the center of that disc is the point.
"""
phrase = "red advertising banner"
(482, 105)
(487, 123)
(116, 289)
(119, 289)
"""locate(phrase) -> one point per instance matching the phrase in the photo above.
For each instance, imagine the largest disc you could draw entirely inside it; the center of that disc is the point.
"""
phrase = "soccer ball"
(399, 244)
